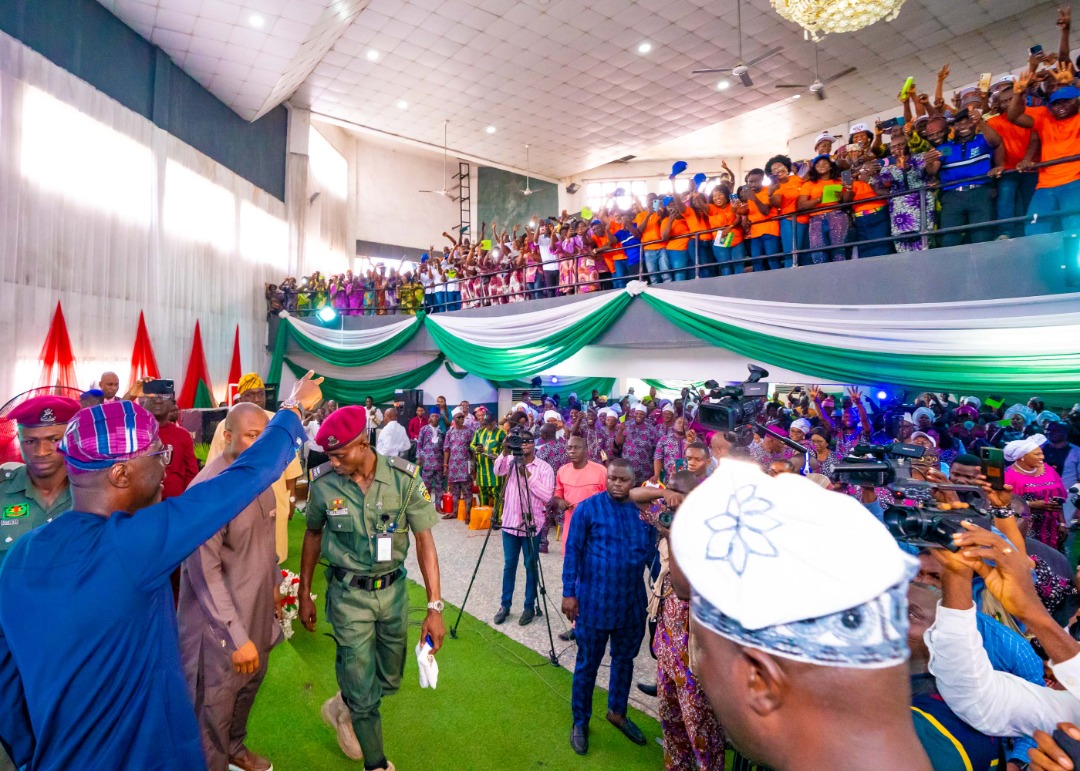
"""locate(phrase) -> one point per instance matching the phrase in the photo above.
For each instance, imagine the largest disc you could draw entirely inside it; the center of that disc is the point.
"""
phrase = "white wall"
(108, 214)
(652, 171)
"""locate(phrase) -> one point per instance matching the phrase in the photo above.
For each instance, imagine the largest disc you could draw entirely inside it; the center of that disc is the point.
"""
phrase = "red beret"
(41, 411)
(341, 427)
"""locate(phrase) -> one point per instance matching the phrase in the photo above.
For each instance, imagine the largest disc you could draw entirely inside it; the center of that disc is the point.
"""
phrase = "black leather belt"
(367, 583)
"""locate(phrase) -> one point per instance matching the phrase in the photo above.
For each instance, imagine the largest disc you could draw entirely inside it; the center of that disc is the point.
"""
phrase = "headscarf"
(1021, 447)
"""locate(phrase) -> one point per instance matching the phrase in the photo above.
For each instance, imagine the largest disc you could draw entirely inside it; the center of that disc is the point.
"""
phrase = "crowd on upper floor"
(997, 161)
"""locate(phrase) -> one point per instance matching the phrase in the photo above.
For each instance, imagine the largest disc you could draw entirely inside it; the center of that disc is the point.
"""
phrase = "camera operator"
(529, 481)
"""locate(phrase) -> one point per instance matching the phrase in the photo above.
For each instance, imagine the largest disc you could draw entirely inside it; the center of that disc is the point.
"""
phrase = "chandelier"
(821, 17)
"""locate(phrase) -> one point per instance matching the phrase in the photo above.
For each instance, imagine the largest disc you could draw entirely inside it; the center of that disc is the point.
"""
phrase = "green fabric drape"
(583, 387)
(673, 385)
(453, 372)
(356, 357)
(1043, 374)
(381, 389)
(502, 364)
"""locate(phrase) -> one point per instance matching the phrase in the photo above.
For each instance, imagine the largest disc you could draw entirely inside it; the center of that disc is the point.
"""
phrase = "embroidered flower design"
(740, 530)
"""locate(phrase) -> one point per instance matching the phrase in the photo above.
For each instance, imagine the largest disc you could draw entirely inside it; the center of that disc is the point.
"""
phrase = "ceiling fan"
(741, 70)
(817, 88)
(443, 192)
(528, 190)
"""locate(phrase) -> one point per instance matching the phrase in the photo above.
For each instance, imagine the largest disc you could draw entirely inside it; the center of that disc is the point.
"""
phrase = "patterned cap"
(249, 382)
(341, 427)
(783, 565)
(41, 411)
(105, 434)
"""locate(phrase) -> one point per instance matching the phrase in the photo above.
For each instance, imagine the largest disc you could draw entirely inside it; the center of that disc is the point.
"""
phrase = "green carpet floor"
(499, 705)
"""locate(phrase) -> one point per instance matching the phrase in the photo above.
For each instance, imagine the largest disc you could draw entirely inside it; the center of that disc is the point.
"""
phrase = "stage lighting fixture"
(327, 314)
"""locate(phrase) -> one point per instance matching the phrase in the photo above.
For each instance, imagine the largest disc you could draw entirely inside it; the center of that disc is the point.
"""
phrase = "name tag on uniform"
(384, 547)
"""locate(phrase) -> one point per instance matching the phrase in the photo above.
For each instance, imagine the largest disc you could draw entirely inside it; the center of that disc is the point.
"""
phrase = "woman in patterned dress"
(1039, 484)
(429, 455)
(456, 467)
(906, 172)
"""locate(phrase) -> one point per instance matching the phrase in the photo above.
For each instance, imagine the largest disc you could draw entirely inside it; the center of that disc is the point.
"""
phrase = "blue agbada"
(90, 673)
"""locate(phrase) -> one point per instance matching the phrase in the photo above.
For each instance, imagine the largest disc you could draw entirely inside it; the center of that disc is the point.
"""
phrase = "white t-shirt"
(428, 282)
(549, 260)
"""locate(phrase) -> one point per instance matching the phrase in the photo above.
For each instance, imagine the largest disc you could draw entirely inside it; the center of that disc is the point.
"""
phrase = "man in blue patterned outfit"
(604, 593)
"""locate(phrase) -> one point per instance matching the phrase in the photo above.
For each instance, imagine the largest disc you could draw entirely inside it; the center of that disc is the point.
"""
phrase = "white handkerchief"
(429, 667)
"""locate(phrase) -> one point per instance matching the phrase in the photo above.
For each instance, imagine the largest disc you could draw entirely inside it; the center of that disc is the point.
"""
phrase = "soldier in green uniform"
(35, 491)
(358, 519)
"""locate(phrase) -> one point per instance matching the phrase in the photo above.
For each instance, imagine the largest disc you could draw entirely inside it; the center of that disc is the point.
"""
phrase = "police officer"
(358, 519)
(34, 492)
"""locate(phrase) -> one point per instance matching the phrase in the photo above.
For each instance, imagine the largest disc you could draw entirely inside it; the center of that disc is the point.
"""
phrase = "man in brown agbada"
(227, 610)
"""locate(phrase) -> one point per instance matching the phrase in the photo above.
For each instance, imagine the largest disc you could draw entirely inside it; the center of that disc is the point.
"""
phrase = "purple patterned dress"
(669, 449)
(639, 447)
(429, 454)
(457, 444)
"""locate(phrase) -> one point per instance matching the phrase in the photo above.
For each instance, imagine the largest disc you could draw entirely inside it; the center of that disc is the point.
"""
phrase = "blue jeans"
(1054, 199)
(537, 285)
(437, 300)
(678, 260)
(875, 225)
(707, 260)
(790, 238)
(765, 246)
(1014, 196)
(656, 262)
(513, 546)
(621, 272)
(726, 257)
(453, 301)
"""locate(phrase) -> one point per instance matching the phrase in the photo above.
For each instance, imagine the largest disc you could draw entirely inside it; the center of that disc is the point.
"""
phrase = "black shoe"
(501, 615)
(579, 739)
(568, 635)
(626, 725)
(526, 617)
(649, 689)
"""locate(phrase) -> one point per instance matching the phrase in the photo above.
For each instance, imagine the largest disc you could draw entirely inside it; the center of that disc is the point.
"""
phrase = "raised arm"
(1064, 24)
(1016, 113)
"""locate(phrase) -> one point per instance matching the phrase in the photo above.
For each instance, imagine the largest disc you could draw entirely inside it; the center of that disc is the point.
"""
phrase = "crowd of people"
(982, 646)
(995, 162)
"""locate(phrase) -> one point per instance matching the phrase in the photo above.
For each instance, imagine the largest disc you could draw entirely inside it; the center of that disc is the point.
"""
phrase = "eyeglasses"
(165, 453)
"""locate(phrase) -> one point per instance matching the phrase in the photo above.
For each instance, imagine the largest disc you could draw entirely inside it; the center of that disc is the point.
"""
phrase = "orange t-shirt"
(695, 223)
(865, 197)
(612, 257)
(789, 197)
(817, 189)
(649, 224)
(602, 242)
(679, 227)
(1015, 139)
(1060, 138)
(722, 218)
(757, 227)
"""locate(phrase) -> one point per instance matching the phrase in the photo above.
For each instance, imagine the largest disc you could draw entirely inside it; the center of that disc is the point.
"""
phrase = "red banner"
(57, 359)
(197, 390)
(143, 361)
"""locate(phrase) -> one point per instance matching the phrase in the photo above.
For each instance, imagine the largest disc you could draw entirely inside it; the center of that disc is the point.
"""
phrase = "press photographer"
(525, 498)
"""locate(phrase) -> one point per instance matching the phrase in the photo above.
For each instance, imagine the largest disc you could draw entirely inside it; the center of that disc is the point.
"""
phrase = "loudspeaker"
(408, 401)
(573, 187)
(202, 423)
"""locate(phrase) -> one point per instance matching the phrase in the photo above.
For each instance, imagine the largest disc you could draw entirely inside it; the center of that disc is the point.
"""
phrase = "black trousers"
(966, 207)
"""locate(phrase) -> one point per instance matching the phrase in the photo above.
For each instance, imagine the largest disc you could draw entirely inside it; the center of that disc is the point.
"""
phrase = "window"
(597, 193)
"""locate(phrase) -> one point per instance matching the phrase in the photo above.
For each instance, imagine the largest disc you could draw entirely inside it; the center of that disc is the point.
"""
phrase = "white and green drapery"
(1026, 345)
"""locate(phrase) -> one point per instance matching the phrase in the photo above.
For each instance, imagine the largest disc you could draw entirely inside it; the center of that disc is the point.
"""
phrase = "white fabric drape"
(108, 214)
(349, 339)
(519, 330)
(1028, 325)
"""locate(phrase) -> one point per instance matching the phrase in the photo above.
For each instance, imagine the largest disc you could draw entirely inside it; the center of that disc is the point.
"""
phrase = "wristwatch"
(293, 404)
(435, 605)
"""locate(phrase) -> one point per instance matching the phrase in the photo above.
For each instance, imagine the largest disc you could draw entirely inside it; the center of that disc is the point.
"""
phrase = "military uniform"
(21, 506)
(365, 541)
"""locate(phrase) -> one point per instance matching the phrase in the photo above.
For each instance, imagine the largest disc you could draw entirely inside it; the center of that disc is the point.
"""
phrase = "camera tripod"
(532, 534)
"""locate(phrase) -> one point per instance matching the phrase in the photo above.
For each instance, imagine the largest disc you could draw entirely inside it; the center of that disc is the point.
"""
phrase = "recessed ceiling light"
(402, 105)
(723, 85)
(490, 129)
(644, 48)
(372, 55)
(255, 20)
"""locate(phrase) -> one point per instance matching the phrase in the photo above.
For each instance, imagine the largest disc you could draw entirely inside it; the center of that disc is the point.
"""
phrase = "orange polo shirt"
(865, 197)
(1060, 138)
(757, 227)
(1015, 139)
(722, 218)
(816, 189)
(679, 227)
(789, 197)
(649, 224)
(613, 228)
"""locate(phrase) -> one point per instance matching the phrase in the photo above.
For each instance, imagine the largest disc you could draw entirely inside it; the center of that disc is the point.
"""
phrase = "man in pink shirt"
(577, 480)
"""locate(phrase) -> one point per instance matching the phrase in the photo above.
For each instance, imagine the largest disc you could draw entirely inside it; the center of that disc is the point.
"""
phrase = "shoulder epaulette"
(7, 470)
(403, 465)
(318, 471)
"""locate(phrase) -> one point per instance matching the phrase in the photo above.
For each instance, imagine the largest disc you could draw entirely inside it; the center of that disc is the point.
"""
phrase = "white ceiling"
(565, 76)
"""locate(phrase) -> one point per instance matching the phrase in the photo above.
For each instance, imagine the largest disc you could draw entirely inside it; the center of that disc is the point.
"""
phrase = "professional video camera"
(932, 524)
(515, 440)
(730, 408)
(876, 465)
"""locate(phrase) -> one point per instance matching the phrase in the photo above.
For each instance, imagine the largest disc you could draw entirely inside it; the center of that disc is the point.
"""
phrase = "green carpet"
(499, 705)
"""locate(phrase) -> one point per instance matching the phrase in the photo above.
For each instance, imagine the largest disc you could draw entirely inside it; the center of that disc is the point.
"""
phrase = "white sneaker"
(336, 715)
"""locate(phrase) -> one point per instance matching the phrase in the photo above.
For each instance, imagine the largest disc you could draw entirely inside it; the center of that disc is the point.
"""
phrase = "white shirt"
(312, 430)
(995, 703)
(374, 417)
(393, 439)
(549, 260)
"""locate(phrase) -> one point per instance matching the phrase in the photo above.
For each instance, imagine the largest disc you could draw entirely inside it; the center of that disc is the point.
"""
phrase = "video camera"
(877, 465)
(730, 408)
(932, 525)
(515, 440)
